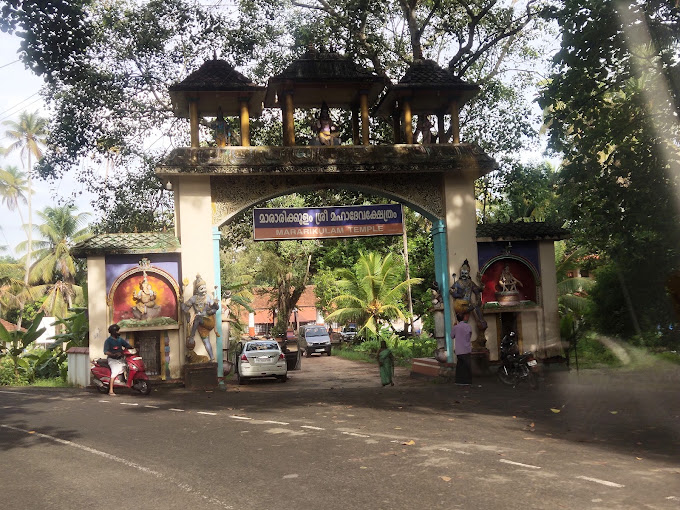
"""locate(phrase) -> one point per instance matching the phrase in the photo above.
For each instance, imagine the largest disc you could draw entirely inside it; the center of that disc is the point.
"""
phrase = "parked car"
(315, 339)
(348, 334)
(260, 358)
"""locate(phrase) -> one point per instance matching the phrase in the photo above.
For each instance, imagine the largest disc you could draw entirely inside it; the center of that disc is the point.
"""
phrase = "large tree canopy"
(108, 82)
(612, 109)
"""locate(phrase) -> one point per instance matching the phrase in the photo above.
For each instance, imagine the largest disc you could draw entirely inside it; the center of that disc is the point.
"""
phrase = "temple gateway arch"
(143, 280)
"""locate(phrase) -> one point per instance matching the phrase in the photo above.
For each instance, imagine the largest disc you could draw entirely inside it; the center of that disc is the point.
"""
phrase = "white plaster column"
(96, 305)
(194, 217)
(461, 228)
(552, 344)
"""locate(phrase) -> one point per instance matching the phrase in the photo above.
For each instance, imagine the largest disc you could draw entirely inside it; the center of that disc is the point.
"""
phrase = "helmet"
(114, 328)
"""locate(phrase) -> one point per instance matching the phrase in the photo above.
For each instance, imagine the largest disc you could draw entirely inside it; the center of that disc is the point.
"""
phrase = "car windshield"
(262, 346)
(316, 332)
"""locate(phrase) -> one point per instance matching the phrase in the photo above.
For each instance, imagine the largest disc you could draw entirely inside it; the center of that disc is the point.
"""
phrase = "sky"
(19, 91)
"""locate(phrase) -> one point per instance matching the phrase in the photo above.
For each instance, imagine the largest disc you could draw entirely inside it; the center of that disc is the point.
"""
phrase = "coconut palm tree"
(53, 273)
(28, 137)
(14, 189)
(372, 292)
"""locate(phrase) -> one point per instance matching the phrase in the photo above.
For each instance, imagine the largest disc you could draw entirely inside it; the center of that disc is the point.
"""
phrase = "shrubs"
(8, 376)
(404, 349)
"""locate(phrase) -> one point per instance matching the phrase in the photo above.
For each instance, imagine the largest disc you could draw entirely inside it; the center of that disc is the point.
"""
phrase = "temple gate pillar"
(461, 227)
(194, 220)
(441, 268)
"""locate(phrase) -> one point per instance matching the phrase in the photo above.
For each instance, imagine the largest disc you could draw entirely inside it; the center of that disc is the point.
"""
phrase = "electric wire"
(10, 63)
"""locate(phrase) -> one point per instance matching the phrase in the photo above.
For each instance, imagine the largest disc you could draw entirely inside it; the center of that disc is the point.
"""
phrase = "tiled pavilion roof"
(215, 74)
(317, 65)
(427, 73)
(428, 87)
(324, 75)
(216, 84)
(127, 243)
(521, 230)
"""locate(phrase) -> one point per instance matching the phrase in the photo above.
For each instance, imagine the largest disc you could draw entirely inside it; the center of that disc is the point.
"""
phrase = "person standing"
(462, 333)
(386, 363)
(113, 348)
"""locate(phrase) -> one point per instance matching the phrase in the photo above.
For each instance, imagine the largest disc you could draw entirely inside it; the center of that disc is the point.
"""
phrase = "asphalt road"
(333, 438)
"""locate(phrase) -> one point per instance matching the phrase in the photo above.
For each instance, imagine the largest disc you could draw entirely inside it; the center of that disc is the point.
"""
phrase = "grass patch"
(671, 356)
(51, 383)
(592, 354)
(349, 353)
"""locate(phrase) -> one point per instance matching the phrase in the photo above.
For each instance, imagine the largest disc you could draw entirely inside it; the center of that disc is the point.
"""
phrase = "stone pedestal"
(480, 362)
(200, 376)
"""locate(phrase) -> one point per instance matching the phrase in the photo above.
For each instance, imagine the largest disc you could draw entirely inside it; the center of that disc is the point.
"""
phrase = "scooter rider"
(113, 348)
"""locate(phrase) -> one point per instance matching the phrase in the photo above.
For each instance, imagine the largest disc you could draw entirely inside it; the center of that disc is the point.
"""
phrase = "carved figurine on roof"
(221, 129)
(467, 296)
(423, 127)
(204, 308)
(326, 131)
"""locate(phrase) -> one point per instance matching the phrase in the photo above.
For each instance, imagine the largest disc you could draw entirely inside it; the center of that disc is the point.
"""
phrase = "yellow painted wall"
(551, 319)
(96, 305)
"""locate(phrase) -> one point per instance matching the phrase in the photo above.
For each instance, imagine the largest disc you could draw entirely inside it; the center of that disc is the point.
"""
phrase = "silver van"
(314, 338)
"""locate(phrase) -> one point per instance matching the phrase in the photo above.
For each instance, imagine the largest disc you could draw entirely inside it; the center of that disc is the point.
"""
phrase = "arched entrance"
(212, 185)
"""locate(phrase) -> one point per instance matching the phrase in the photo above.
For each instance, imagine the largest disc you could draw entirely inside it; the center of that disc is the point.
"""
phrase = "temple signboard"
(278, 224)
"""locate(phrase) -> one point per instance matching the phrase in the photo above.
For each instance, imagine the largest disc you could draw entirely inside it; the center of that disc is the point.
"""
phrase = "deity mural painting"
(204, 308)
(144, 296)
(145, 299)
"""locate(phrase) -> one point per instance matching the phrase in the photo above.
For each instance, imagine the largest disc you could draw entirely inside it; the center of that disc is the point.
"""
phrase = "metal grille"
(148, 347)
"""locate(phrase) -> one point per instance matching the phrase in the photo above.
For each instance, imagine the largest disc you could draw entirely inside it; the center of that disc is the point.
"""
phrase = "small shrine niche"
(426, 90)
(217, 90)
(325, 79)
(509, 281)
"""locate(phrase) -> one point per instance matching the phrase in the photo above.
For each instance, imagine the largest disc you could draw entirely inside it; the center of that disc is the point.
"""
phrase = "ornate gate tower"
(433, 173)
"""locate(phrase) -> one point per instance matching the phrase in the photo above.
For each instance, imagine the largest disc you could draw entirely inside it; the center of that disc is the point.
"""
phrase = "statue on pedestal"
(423, 128)
(221, 129)
(204, 307)
(326, 131)
(508, 295)
(467, 296)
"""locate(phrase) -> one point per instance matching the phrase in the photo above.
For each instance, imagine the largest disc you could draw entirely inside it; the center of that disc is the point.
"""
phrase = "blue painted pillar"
(218, 296)
(441, 270)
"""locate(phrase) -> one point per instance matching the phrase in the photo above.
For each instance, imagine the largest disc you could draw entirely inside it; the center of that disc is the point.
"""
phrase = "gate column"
(461, 226)
(193, 220)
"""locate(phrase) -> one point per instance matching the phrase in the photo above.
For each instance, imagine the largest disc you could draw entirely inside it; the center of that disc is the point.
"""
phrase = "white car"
(260, 358)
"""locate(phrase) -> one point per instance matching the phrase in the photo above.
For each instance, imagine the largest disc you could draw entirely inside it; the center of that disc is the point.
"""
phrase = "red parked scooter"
(133, 376)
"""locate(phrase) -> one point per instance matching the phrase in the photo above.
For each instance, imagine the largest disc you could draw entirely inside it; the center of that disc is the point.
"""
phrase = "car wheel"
(309, 354)
(328, 352)
(283, 378)
(241, 379)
